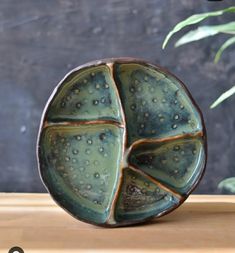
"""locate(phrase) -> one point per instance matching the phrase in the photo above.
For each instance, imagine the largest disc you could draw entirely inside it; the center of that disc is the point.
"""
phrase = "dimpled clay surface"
(121, 141)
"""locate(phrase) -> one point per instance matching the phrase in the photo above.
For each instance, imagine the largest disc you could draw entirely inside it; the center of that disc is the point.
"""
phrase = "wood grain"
(32, 221)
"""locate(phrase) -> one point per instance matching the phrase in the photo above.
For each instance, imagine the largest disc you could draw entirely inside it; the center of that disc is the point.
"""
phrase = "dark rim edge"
(125, 60)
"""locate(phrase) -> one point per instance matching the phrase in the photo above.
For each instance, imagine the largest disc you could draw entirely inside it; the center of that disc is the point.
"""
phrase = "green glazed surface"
(121, 141)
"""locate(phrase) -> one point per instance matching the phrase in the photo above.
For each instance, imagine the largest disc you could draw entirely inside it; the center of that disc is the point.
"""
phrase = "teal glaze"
(121, 141)
(89, 95)
(176, 163)
(155, 103)
(141, 198)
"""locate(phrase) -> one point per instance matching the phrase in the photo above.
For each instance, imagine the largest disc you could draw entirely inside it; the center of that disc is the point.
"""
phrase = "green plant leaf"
(226, 44)
(194, 19)
(205, 31)
(228, 184)
(223, 97)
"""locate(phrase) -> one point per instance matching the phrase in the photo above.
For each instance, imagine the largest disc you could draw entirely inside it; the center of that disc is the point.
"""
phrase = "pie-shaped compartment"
(121, 141)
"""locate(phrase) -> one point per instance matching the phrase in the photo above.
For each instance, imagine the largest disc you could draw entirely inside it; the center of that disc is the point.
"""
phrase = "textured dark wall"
(42, 40)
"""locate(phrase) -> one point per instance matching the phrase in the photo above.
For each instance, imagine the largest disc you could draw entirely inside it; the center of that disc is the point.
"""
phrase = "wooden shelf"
(33, 222)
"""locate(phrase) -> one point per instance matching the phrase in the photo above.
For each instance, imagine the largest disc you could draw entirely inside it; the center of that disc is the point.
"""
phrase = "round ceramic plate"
(121, 141)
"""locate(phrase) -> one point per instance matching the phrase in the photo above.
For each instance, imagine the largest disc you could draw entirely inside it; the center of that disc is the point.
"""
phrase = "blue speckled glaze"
(121, 141)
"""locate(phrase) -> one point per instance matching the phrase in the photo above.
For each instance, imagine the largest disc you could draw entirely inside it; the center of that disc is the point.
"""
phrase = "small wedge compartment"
(141, 198)
(87, 94)
(176, 163)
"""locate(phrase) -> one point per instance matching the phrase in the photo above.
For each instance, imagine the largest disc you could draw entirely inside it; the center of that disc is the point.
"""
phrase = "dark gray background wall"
(42, 40)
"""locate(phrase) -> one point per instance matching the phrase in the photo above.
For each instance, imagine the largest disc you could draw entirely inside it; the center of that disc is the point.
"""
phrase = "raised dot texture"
(85, 105)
